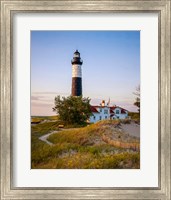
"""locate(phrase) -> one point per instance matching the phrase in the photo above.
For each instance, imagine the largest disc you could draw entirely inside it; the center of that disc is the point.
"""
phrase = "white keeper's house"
(103, 111)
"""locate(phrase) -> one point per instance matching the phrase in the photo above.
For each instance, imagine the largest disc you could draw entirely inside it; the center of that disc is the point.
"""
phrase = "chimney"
(103, 103)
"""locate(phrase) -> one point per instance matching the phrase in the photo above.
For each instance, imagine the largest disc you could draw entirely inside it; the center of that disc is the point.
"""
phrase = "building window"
(105, 111)
(105, 117)
(94, 117)
(100, 110)
(100, 118)
(117, 111)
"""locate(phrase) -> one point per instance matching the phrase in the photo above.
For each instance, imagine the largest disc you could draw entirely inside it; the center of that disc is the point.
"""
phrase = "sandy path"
(44, 137)
(132, 129)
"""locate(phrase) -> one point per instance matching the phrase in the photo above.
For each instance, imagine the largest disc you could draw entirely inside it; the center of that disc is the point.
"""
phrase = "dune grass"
(92, 161)
(135, 117)
(39, 119)
(80, 148)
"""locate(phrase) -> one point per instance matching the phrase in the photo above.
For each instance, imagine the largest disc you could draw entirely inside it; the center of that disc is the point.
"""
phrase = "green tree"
(137, 100)
(72, 110)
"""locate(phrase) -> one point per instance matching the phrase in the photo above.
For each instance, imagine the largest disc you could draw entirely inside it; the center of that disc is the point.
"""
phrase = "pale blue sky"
(111, 66)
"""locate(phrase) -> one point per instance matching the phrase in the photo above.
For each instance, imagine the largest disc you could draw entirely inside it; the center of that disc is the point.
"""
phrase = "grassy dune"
(83, 148)
(135, 116)
(42, 118)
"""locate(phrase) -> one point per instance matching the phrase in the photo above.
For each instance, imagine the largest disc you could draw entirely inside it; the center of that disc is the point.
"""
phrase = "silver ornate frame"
(163, 9)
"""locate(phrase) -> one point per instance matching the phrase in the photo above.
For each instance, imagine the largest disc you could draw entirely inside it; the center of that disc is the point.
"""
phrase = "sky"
(110, 70)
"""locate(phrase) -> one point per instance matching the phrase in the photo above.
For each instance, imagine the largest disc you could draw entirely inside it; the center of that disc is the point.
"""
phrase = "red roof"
(111, 111)
(123, 111)
(93, 109)
(113, 107)
(99, 106)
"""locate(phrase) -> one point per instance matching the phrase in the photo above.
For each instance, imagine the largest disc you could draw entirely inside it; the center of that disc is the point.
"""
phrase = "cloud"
(49, 93)
(35, 98)
(47, 97)
(42, 103)
(35, 104)
(41, 109)
(41, 99)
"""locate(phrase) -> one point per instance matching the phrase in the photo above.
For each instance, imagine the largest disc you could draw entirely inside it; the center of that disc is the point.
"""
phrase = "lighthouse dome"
(76, 53)
(76, 58)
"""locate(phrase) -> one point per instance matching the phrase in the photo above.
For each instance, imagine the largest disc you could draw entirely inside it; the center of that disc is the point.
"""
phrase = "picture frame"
(8, 10)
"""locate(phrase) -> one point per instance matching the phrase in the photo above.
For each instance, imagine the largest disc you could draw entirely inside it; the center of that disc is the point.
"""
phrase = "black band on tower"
(76, 86)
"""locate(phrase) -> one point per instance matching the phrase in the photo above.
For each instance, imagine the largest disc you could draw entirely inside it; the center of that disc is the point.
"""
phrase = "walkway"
(44, 137)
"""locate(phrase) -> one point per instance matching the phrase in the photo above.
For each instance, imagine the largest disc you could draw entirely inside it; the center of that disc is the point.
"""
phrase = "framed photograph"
(85, 100)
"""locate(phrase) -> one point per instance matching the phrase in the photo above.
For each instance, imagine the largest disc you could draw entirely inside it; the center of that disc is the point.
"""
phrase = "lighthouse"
(76, 74)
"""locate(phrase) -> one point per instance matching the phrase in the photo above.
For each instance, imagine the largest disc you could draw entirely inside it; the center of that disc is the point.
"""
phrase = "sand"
(132, 129)
(44, 137)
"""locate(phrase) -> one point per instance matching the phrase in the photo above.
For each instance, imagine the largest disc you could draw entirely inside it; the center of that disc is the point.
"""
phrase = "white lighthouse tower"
(76, 74)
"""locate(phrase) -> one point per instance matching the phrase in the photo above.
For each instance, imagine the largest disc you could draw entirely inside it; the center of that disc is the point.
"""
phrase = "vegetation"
(135, 117)
(38, 119)
(73, 110)
(83, 148)
(137, 100)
